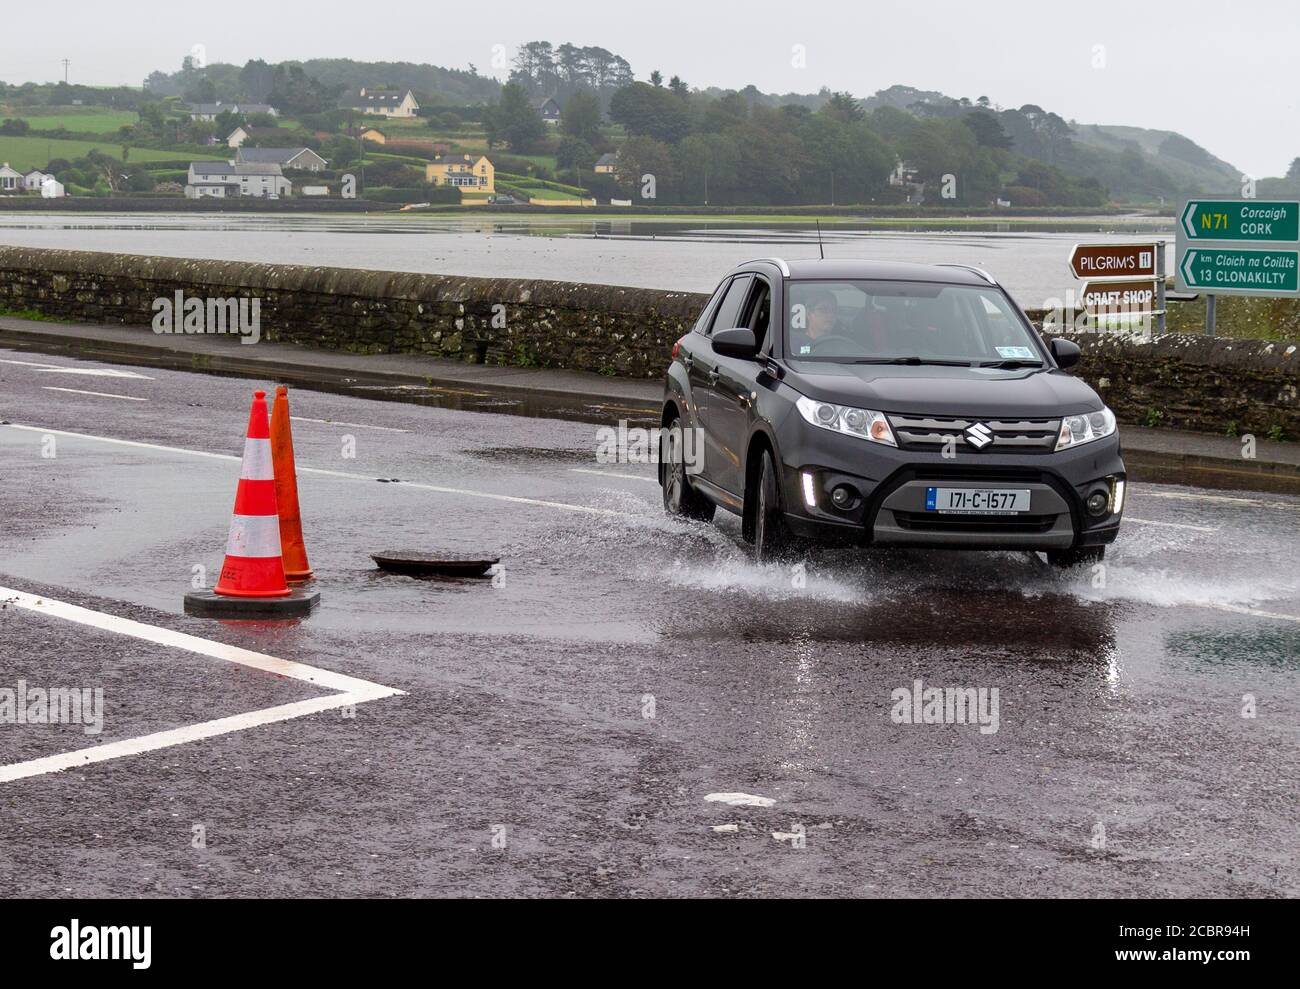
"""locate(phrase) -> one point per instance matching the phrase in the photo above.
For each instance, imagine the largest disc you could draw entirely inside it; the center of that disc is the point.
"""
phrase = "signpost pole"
(1209, 314)
(1160, 288)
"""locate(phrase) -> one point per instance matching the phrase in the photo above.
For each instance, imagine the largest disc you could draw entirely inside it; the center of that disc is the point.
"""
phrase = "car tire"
(1084, 556)
(680, 499)
(771, 537)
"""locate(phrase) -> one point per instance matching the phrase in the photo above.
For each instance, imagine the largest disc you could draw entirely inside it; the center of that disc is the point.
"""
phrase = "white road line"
(98, 394)
(416, 485)
(1218, 499)
(1241, 609)
(352, 690)
(1171, 525)
(350, 425)
(96, 372)
(605, 473)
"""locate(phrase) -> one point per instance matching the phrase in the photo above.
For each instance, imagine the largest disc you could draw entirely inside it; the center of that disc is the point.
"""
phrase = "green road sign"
(1240, 219)
(1247, 272)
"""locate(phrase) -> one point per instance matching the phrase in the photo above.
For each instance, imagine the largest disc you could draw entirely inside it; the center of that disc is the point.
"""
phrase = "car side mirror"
(738, 342)
(1066, 352)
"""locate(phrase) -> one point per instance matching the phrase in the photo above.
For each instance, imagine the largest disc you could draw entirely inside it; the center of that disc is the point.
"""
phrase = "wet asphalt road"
(559, 730)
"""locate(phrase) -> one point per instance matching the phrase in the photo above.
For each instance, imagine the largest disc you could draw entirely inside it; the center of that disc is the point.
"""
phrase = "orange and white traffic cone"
(252, 581)
(254, 567)
(292, 547)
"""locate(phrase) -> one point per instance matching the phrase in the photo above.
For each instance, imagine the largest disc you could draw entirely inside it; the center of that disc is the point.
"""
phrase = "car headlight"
(862, 423)
(1085, 428)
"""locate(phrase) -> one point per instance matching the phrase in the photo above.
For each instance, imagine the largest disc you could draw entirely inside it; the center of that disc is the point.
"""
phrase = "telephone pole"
(65, 71)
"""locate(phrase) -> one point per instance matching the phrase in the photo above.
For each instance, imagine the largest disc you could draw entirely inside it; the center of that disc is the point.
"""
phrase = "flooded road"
(621, 670)
(1028, 256)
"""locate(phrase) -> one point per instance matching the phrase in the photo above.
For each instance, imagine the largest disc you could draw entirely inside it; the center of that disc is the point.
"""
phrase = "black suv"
(887, 403)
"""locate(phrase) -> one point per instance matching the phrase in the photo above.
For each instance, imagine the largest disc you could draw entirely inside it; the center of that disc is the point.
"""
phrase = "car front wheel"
(1084, 556)
(771, 537)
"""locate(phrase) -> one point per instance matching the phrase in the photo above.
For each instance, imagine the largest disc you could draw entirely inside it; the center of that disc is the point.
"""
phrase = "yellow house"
(470, 173)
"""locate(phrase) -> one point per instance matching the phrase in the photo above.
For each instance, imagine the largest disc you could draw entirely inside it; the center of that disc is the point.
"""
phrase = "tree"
(1294, 171)
(581, 116)
(678, 85)
(844, 108)
(987, 130)
(656, 79)
(514, 121)
(257, 79)
(646, 165)
(574, 152)
(650, 111)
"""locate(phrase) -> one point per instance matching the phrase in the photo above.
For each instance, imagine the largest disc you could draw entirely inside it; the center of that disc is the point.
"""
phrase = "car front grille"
(930, 522)
(1007, 435)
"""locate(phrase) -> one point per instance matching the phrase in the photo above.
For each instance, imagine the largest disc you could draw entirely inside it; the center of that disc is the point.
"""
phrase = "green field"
(105, 122)
(26, 153)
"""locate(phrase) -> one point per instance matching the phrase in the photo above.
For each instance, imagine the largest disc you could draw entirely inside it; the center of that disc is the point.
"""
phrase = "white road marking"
(739, 800)
(97, 394)
(1218, 499)
(351, 690)
(606, 473)
(95, 372)
(1241, 609)
(350, 425)
(1171, 525)
(416, 485)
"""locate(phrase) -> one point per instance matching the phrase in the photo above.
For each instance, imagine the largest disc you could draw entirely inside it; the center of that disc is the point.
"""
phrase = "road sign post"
(1121, 280)
(1237, 247)
(1160, 289)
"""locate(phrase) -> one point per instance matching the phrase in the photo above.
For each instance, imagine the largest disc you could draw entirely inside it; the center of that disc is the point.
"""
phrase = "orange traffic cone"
(253, 567)
(294, 551)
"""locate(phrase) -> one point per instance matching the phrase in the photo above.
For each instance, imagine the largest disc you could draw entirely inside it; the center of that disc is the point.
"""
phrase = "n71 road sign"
(1240, 219)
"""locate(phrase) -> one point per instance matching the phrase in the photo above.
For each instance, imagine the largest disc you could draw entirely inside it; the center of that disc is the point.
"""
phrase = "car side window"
(760, 310)
(706, 314)
(729, 309)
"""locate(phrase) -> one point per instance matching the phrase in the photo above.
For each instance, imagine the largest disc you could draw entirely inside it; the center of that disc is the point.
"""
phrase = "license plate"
(977, 501)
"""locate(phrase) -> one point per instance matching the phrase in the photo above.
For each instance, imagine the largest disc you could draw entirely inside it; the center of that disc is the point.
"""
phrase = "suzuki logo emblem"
(979, 435)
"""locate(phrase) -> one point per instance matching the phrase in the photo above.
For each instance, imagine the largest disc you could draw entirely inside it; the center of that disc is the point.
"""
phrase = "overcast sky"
(1225, 75)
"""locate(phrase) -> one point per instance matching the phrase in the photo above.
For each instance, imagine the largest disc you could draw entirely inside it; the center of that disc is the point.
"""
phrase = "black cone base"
(206, 604)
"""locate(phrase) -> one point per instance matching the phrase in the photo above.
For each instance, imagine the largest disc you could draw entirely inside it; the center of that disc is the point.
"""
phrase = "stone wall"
(610, 330)
(1187, 382)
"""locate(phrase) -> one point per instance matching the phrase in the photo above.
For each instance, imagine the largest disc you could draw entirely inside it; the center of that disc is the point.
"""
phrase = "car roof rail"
(970, 267)
(779, 262)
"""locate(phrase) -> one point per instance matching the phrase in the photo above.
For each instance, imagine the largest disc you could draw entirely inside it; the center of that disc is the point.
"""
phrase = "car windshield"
(846, 322)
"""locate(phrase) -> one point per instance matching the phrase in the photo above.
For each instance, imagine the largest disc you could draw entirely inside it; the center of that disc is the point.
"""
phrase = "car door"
(732, 388)
(704, 376)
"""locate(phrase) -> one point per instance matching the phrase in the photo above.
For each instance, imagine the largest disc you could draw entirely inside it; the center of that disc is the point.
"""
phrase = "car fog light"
(1098, 503)
(842, 496)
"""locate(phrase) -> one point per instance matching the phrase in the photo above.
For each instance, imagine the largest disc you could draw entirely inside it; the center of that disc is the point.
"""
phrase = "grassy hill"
(1190, 166)
(26, 153)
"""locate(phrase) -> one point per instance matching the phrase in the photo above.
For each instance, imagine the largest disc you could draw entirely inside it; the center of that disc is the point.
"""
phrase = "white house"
(211, 111)
(228, 179)
(52, 188)
(304, 158)
(33, 179)
(10, 181)
(386, 102)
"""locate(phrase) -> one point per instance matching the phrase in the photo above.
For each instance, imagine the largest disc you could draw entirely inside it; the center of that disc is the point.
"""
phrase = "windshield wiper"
(1012, 363)
(913, 360)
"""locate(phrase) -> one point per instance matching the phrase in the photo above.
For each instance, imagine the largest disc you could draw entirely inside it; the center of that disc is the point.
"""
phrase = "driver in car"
(821, 314)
